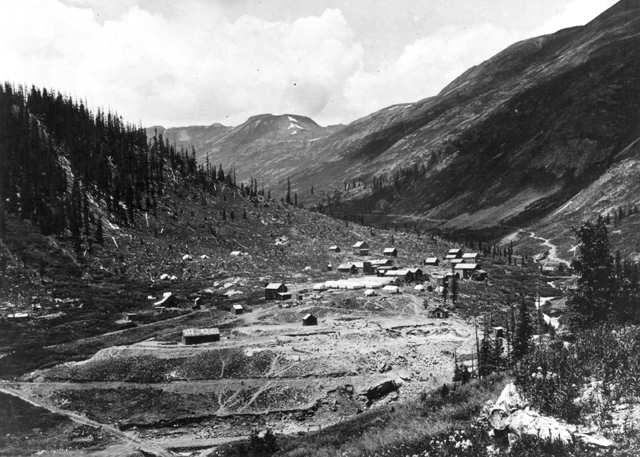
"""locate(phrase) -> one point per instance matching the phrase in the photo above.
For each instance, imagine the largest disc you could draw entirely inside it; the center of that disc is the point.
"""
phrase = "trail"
(553, 249)
(82, 420)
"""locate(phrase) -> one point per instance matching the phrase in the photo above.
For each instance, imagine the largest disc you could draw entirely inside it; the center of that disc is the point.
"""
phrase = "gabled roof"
(361, 244)
(274, 285)
(379, 262)
(469, 255)
(466, 266)
(308, 316)
(454, 251)
(390, 250)
(346, 266)
(431, 260)
(236, 306)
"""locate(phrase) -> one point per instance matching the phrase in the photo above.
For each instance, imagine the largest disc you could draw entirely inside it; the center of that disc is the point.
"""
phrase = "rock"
(526, 422)
(187, 257)
(509, 400)
(594, 440)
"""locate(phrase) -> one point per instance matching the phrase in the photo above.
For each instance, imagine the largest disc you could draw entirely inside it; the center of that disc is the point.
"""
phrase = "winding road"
(553, 249)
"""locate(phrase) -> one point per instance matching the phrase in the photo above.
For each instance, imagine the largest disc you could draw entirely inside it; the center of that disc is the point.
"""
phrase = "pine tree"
(99, 232)
(288, 196)
(454, 289)
(523, 332)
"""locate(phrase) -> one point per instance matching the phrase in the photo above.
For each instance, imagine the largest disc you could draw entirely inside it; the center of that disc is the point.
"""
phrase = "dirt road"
(136, 444)
(553, 249)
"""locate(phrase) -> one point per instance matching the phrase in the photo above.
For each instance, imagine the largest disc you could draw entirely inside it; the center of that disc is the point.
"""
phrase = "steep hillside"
(504, 144)
(266, 147)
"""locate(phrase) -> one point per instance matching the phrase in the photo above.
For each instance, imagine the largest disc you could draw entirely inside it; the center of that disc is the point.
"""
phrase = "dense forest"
(61, 161)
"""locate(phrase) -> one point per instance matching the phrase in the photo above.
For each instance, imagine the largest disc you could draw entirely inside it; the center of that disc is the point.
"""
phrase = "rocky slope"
(266, 147)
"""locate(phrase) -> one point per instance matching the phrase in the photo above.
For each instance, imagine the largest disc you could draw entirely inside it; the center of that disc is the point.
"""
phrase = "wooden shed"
(309, 319)
(390, 252)
(432, 261)
(200, 335)
(238, 309)
(361, 248)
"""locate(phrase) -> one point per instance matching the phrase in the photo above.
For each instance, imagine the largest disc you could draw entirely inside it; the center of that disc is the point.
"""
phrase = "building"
(470, 257)
(200, 335)
(439, 313)
(382, 263)
(432, 261)
(365, 267)
(282, 296)
(238, 309)
(390, 252)
(361, 248)
(453, 254)
(498, 332)
(272, 290)
(416, 274)
(309, 319)
(381, 271)
(391, 289)
(406, 274)
(465, 270)
(348, 268)
(334, 248)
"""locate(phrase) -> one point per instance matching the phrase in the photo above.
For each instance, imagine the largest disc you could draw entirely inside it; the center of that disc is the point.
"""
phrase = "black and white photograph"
(319, 228)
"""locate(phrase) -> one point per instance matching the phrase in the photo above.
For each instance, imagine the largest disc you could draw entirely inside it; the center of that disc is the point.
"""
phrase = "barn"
(272, 290)
(309, 319)
(200, 335)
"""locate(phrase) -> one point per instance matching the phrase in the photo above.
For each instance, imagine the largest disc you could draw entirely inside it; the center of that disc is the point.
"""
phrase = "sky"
(187, 62)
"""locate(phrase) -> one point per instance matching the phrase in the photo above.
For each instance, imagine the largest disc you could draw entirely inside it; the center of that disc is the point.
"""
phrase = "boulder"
(526, 422)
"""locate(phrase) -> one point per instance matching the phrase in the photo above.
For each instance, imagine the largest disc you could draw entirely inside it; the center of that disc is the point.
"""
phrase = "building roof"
(401, 272)
(390, 250)
(346, 266)
(308, 316)
(466, 266)
(200, 331)
(238, 306)
(274, 285)
(454, 251)
(333, 246)
(361, 244)
(469, 255)
(431, 260)
(381, 262)
(456, 260)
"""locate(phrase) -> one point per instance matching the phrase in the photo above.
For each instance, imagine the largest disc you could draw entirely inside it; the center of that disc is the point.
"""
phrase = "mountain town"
(456, 276)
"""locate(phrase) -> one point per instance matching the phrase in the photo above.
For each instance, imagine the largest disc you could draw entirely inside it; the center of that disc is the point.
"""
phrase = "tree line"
(59, 160)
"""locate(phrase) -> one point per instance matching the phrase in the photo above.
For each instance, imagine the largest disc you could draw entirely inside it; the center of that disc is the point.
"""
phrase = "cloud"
(177, 63)
(199, 68)
(576, 12)
(425, 66)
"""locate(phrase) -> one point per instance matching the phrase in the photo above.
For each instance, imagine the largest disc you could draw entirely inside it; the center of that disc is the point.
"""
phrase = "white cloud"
(187, 62)
(576, 12)
(200, 68)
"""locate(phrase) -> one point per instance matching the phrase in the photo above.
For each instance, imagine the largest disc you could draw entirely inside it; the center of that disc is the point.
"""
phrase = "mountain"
(267, 146)
(507, 143)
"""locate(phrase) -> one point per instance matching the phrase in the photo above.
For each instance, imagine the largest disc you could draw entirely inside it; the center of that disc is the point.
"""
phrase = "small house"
(381, 271)
(455, 253)
(390, 252)
(382, 262)
(238, 309)
(465, 270)
(456, 261)
(348, 268)
(334, 248)
(416, 274)
(432, 261)
(361, 248)
(470, 257)
(439, 312)
(365, 267)
(200, 335)
(309, 319)
(282, 296)
(272, 290)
